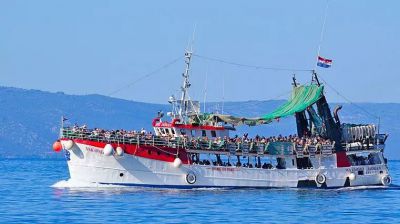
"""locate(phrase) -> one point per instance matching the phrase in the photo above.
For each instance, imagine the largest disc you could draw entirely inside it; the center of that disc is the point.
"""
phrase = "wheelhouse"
(178, 129)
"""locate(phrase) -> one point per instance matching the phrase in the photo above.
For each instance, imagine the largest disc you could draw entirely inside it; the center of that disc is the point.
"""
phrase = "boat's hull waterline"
(88, 163)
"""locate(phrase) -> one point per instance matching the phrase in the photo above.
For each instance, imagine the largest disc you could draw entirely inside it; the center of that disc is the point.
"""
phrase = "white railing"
(243, 148)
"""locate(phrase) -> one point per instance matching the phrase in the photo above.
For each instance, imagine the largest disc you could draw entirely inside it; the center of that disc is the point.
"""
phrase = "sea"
(38, 191)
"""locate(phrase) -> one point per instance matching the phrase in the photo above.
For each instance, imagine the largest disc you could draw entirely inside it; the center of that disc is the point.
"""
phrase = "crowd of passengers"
(212, 143)
(83, 131)
(238, 164)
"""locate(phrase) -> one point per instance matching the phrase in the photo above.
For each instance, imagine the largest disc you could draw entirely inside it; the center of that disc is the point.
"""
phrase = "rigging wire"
(348, 100)
(251, 66)
(144, 76)
(331, 87)
(279, 96)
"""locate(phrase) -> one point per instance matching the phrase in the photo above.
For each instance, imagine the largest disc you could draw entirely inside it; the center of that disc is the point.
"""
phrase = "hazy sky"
(83, 47)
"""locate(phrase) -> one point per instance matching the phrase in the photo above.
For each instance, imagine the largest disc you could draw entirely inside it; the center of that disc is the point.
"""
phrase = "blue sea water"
(26, 196)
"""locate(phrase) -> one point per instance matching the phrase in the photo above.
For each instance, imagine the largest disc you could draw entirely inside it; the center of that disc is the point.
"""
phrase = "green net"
(302, 97)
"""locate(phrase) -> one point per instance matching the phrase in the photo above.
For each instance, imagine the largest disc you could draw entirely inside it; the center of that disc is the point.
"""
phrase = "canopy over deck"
(302, 97)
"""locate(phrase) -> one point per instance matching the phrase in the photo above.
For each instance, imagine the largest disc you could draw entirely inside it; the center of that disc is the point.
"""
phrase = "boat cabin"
(178, 129)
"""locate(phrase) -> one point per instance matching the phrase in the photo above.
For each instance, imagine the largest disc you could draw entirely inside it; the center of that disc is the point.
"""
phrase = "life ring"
(386, 180)
(320, 178)
(191, 178)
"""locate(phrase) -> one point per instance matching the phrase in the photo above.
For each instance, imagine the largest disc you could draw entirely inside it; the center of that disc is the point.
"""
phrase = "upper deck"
(284, 146)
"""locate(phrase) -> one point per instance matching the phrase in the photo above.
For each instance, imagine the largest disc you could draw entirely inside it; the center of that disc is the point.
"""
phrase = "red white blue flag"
(324, 62)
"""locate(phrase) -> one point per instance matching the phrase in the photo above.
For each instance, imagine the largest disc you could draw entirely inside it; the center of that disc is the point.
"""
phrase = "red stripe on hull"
(165, 154)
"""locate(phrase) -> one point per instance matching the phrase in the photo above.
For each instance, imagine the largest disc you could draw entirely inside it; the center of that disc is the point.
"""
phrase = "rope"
(278, 97)
(145, 76)
(251, 66)
(166, 152)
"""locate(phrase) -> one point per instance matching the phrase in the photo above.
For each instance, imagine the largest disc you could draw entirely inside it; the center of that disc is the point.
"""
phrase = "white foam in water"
(362, 188)
(82, 184)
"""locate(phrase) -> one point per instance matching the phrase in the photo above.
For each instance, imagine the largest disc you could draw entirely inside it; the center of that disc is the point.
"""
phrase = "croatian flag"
(323, 62)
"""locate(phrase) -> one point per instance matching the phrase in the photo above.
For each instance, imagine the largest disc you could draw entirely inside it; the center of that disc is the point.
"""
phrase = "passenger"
(264, 166)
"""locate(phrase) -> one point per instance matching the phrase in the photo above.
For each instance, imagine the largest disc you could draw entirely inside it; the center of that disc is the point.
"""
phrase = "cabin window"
(183, 132)
(173, 131)
(162, 131)
(167, 131)
(203, 133)
(213, 134)
(364, 159)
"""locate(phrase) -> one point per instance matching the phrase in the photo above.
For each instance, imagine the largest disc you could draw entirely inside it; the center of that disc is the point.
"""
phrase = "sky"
(113, 47)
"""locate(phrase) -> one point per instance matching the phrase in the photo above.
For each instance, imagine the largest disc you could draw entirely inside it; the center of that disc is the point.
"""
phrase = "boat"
(193, 149)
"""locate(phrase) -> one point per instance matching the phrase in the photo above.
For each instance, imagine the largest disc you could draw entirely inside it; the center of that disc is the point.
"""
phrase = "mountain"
(30, 119)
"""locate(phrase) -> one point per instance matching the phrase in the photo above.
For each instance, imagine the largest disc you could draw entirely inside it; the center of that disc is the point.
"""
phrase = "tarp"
(302, 97)
(280, 148)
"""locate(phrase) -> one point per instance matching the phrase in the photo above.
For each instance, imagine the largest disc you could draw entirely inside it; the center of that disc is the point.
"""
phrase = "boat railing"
(201, 145)
(360, 146)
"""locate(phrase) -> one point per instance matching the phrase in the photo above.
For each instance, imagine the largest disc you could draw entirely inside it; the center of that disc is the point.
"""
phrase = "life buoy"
(386, 180)
(320, 178)
(191, 178)
(57, 147)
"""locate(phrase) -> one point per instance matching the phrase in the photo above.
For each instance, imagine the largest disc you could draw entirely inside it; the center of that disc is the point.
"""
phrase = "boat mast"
(185, 87)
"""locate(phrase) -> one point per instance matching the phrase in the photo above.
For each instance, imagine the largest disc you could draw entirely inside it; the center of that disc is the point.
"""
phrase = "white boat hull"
(129, 170)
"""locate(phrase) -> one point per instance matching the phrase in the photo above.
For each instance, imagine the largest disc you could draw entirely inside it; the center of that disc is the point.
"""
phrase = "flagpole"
(322, 33)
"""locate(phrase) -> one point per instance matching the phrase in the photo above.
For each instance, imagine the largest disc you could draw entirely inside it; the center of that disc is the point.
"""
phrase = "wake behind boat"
(195, 149)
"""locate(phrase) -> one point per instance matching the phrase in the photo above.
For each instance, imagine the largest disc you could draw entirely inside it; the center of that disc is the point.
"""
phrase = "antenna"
(205, 91)
(185, 86)
(294, 80)
(315, 77)
(191, 40)
(193, 35)
(223, 93)
(379, 124)
(183, 110)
